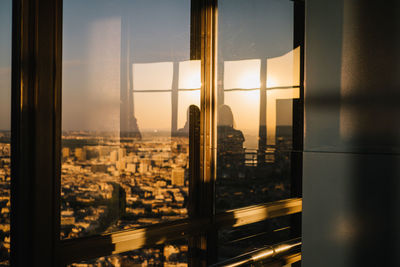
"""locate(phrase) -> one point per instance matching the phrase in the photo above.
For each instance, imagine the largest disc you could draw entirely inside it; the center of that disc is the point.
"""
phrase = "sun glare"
(242, 74)
(248, 80)
(189, 74)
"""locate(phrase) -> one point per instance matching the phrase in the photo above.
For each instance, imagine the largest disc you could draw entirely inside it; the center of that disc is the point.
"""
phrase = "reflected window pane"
(280, 118)
(5, 133)
(153, 112)
(284, 70)
(242, 74)
(143, 76)
(189, 74)
(125, 138)
(258, 81)
(240, 240)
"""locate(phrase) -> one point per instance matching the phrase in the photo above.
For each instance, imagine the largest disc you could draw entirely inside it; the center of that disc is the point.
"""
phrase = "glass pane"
(127, 84)
(258, 82)
(5, 126)
(169, 254)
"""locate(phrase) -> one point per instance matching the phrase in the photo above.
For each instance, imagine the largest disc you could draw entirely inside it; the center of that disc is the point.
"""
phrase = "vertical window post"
(36, 136)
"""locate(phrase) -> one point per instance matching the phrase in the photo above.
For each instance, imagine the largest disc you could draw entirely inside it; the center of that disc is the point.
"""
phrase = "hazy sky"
(254, 28)
(160, 30)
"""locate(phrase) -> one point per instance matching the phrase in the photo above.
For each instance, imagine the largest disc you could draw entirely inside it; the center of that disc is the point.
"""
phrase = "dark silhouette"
(230, 144)
(185, 130)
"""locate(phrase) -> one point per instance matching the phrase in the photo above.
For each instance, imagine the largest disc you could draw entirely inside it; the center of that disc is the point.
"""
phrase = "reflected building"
(128, 122)
(184, 131)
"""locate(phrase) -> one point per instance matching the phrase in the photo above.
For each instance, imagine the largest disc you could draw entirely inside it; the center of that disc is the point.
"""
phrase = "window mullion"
(36, 125)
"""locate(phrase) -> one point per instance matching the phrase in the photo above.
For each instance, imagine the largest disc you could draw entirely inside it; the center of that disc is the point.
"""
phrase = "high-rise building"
(178, 177)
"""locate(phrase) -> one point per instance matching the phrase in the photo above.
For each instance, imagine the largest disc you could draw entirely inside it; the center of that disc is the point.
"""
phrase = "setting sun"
(189, 74)
(242, 74)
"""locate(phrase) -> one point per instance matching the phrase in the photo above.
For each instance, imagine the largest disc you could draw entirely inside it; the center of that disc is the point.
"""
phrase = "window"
(160, 128)
(5, 125)
(258, 85)
(128, 82)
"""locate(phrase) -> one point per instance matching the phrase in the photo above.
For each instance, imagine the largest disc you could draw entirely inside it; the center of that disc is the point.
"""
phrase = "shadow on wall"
(352, 110)
(370, 120)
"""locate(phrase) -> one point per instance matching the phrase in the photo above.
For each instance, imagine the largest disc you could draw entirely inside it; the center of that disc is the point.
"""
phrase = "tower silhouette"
(128, 122)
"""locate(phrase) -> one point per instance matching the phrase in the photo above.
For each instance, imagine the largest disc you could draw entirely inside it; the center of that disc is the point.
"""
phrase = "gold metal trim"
(257, 213)
(277, 251)
(96, 246)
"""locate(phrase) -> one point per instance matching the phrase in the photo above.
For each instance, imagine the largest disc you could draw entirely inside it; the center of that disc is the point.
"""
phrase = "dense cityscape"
(5, 197)
(111, 183)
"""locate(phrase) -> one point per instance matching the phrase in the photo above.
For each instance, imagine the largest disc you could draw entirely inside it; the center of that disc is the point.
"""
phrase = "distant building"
(120, 165)
(143, 167)
(121, 153)
(131, 167)
(178, 177)
(80, 154)
(65, 152)
(114, 156)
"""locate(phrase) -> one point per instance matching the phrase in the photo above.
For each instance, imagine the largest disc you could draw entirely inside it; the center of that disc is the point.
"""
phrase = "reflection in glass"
(127, 84)
(143, 73)
(245, 106)
(153, 111)
(189, 73)
(236, 241)
(258, 78)
(284, 71)
(242, 74)
(5, 133)
(185, 99)
(169, 254)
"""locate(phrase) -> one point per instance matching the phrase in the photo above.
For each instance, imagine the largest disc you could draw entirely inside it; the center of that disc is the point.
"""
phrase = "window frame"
(36, 146)
(36, 131)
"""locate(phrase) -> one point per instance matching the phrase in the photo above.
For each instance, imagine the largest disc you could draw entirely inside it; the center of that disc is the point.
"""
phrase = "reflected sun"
(249, 80)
